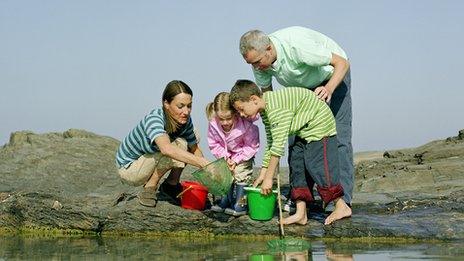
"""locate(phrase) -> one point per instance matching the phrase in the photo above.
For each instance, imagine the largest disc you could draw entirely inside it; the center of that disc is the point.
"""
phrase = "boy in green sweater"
(296, 111)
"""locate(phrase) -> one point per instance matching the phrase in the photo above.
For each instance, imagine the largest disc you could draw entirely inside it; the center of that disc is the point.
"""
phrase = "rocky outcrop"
(68, 182)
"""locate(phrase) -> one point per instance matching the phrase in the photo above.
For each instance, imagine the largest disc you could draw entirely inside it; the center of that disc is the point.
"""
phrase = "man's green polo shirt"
(303, 58)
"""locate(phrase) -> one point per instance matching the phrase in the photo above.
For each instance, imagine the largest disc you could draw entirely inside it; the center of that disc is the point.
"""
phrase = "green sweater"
(294, 111)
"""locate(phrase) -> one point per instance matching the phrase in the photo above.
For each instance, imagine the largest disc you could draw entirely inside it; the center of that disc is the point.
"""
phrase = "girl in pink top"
(237, 140)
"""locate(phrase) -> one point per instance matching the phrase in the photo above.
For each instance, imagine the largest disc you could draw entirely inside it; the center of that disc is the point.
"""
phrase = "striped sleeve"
(280, 121)
(189, 133)
(267, 151)
(140, 139)
(153, 126)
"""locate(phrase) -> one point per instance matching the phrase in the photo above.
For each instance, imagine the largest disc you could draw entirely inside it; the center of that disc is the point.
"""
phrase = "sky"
(102, 65)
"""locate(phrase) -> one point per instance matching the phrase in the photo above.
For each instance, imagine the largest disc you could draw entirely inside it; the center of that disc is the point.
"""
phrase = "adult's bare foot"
(341, 211)
(338, 257)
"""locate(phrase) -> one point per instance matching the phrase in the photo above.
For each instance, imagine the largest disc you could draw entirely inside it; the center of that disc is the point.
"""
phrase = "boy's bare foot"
(295, 219)
(341, 211)
(300, 217)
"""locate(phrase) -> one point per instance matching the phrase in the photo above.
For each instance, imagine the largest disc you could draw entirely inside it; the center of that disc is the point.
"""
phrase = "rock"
(418, 167)
(68, 181)
(19, 138)
(387, 155)
(75, 133)
(456, 138)
(418, 157)
(57, 205)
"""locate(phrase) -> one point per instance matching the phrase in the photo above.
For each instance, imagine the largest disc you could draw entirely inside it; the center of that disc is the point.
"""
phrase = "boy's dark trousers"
(320, 160)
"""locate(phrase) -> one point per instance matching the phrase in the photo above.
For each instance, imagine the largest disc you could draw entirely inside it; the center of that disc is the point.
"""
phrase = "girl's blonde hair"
(221, 103)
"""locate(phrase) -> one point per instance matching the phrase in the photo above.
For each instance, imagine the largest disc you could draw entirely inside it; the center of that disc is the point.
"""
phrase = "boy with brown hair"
(296, 111)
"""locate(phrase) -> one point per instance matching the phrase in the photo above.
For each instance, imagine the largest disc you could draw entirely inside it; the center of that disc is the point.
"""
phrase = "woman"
(163, 140)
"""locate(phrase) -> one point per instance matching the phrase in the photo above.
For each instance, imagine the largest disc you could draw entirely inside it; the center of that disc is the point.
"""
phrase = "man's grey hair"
(254, 40)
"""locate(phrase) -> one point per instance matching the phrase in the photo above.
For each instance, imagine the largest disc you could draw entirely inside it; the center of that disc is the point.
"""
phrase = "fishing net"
(288, 245)
(285, 245)
(216, 176)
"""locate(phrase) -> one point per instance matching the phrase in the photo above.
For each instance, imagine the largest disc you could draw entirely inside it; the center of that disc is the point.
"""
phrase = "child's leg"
(300, 217)
(310, 182)
(309, 179)
(243, 171)
(300, 192)
(225, 201)
(321, 157)
(238, 203)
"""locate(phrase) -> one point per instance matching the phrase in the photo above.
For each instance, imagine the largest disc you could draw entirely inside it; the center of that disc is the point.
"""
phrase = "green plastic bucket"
(260, 207)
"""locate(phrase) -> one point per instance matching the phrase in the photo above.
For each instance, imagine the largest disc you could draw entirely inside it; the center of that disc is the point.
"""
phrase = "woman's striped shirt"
(141, 139)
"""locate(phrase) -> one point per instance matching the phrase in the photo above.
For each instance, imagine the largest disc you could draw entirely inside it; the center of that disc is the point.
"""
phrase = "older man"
(298, 56)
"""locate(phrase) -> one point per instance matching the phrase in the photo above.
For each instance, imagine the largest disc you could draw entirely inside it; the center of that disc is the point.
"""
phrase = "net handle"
(279, 204)
(185, 190)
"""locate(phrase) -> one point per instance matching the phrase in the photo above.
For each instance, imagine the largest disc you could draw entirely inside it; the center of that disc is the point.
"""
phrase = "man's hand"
(323, 93)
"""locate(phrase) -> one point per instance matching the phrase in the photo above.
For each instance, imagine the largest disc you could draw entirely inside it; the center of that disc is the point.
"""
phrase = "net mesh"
(288, 245)
(216, 176)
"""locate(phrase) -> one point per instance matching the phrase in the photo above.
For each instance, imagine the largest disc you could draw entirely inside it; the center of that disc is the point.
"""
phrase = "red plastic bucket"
(194, 195)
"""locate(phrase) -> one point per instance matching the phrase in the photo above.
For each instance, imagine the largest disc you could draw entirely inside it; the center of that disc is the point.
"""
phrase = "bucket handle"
(185, 190)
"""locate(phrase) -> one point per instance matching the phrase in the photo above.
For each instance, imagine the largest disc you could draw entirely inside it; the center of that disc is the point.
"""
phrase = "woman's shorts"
(140, 171)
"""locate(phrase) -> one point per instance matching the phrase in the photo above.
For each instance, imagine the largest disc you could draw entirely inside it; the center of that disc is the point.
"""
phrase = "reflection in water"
(15, 247)
(297, 256)
(337, 257)
(287, 256)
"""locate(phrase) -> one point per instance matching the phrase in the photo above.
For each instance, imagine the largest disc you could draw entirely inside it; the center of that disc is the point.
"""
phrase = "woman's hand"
(203, 162)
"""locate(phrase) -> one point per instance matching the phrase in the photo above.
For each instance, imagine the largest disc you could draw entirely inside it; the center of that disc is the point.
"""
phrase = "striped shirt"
(141, 140)
(294, 111)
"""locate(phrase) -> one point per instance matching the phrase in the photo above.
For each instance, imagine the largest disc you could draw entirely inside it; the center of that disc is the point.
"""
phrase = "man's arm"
(341, 66)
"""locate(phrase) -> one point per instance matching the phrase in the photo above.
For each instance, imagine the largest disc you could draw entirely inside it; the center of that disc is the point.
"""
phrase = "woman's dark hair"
(172, 89)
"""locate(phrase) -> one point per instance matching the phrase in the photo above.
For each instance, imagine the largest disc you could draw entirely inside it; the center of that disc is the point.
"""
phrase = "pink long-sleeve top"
(240, 144)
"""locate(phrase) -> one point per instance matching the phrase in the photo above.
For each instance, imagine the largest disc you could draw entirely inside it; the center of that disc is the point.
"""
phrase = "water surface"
(91, 248)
